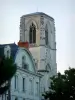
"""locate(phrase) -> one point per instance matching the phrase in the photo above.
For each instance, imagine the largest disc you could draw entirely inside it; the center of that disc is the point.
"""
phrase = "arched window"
(46, 35)
(8, 53)
(23, 61)
(48, 68)
(24, 64)
(32, 33)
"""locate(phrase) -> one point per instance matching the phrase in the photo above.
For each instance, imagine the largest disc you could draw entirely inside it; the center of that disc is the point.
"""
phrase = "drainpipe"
(9, 91)
(39, 88)
(2, 96)
(5, 95)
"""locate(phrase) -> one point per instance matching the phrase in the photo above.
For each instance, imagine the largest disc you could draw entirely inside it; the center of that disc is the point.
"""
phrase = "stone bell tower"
(39, 30)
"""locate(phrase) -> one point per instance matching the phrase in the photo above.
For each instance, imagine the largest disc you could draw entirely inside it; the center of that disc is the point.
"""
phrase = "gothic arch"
(31, 38)
(48, 68)
(46, 34)
(32, 33)
(48, 27)
(30, 22)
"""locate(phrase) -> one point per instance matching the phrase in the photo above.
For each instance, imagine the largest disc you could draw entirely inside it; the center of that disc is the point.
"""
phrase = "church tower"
(39, 30)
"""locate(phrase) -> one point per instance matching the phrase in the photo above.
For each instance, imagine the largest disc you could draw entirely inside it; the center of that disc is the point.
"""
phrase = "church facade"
(39, 30)
(36, 60)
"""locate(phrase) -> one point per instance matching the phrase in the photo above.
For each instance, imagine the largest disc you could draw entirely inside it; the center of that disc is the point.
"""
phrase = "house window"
(16, 82)
(23, 61)
(32, 33)
(46, 35)
(37, 88)
(24, 64)
(44, 89)
(23, 84)
(36, 64)
(7, 98)
(16, 98)
(8, 53)
(31, 87)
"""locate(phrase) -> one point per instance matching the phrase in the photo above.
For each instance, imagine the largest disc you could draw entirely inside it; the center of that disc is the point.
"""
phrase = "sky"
(63, 11)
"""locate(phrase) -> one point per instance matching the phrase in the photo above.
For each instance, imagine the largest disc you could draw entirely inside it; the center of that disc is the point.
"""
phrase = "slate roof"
(13, 47)
(38, 13)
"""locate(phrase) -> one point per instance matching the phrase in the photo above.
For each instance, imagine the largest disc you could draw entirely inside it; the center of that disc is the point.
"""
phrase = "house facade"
(25, 85)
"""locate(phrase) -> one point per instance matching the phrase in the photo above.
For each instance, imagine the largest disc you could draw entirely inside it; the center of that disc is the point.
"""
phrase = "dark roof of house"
(13, 47)
(38, 13)
(1, 51)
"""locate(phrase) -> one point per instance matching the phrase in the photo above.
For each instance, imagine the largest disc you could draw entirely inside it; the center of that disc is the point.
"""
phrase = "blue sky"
(63, 11)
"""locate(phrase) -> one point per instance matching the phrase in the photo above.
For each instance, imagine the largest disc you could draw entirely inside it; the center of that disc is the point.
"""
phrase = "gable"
(28, 59)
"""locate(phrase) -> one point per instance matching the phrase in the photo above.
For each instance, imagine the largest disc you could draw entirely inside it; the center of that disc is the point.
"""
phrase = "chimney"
(23, 44)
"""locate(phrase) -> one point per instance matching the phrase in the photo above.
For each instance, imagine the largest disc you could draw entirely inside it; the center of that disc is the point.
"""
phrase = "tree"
(7, 70)
(62, 86)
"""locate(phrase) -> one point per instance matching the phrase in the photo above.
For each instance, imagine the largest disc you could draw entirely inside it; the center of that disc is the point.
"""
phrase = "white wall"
(19, 92)
(27, 74)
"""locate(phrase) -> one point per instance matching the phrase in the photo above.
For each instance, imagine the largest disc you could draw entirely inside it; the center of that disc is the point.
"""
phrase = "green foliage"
(7, 70)
(62, 86)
